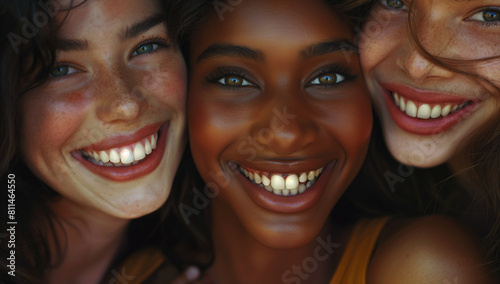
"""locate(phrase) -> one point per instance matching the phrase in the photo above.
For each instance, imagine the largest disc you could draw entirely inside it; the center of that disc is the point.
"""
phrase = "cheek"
(48, 124)
(168, 82)
(353, 125)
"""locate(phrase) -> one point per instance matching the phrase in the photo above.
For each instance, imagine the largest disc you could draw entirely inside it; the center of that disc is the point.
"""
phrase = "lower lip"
(286, 204)
(126, 173)
(425, 126)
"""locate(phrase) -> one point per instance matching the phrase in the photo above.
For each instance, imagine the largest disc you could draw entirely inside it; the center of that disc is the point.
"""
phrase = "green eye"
(146, 48)
(328, 79)
(62, 70)
(395, 4)
(234, 81)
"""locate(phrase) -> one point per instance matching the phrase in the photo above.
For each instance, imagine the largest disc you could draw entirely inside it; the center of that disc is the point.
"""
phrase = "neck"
(240, 258)
(88, 241)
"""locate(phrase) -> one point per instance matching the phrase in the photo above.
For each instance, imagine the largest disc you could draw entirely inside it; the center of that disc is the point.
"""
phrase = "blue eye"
(145, 48)
(62, 70)
(234, 81)
(327, 79)
(488, 15)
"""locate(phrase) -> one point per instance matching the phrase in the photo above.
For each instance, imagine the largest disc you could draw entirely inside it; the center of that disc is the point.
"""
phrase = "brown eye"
(234, 81)
(395, 4)
(327, 79)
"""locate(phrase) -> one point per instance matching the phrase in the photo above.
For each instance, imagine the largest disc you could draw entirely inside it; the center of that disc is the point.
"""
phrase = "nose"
(285, 128)
(418, 67)
(121, 98)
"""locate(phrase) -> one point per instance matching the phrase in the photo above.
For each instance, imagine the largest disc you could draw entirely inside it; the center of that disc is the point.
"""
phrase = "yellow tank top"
(354, 263)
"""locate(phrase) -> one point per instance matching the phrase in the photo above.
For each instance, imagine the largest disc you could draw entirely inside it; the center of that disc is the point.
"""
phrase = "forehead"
(101, 16)
(287, 21)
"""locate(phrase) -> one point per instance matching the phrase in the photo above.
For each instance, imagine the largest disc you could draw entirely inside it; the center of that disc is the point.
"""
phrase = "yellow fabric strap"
(354, 263)
(137, 268)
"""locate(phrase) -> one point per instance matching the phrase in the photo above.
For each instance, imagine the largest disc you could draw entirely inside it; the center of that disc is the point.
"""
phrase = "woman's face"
(106, 130)
(279, 117)
(428, 112)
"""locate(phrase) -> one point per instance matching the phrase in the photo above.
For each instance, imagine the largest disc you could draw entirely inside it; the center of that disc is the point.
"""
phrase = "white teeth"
(292, 181)
(147, 147)
(153, 142)
(277, 182)
(436, 111)
(257, 178)
(123, 156)
(310, 175)
(396, 99)
(402, 105)
(446, 110)
(139, 152)
(114, 157)
(424, 111)
(303, 177)
(411, 109)
(302, 188)
(266, 181)
(126, 156)
(282, 184)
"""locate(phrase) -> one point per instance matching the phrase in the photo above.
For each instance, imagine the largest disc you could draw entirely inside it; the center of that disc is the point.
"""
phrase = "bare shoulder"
(431, 249)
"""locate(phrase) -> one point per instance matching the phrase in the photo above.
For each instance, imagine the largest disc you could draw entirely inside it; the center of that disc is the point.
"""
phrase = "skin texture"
(259, 241)
(324, 126)
(445, 29)
(111, 89)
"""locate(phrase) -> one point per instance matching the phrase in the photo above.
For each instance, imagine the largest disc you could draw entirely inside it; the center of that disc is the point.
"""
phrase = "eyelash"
(223, 72)
(341, 70)
(486, 23)
(384, 4)
(160, 42)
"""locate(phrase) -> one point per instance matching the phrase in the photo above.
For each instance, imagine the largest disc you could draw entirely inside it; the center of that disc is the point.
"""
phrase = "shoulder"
(431, 249)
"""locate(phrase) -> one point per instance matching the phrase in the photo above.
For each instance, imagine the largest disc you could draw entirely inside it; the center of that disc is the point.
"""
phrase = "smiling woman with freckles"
(93, 128)
(433, 71)
(279, 126)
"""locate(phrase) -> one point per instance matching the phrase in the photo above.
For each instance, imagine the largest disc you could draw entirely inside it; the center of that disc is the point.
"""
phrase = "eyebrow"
(142, 26)
(131, 32)
(72, 44)
(323, 48)
(220, 50)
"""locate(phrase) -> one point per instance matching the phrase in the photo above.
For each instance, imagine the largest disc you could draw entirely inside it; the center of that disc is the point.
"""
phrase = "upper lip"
(124, 140)
(424, 96)
(280, 167)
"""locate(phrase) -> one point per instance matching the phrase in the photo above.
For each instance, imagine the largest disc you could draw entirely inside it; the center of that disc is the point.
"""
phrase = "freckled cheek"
(48, 124)
(169, 85)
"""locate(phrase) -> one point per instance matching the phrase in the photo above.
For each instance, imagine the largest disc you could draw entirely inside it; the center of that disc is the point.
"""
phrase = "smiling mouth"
(282, 184)
(427, 110)
(123, 156)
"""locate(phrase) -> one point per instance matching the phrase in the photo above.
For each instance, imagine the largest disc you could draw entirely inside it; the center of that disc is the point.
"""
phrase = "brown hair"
(474, 190)
(31, 56)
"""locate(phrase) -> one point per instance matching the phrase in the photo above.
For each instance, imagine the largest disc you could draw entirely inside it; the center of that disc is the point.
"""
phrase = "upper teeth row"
(124, 155)
(283, 185)
(424, 111)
